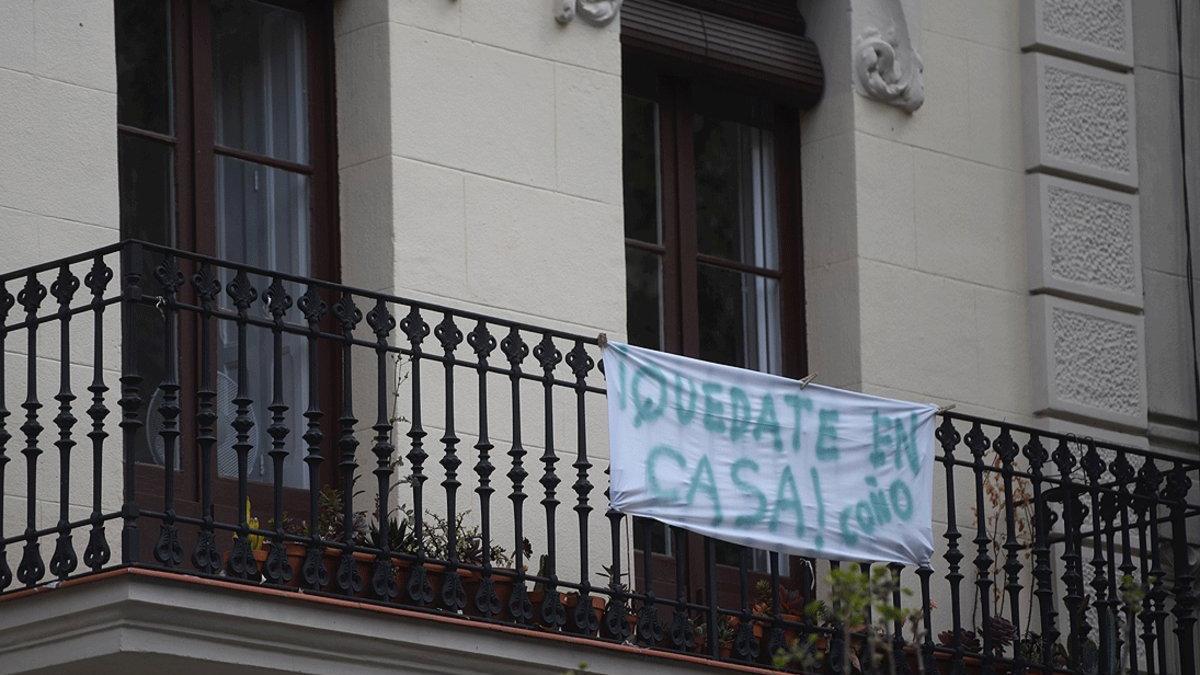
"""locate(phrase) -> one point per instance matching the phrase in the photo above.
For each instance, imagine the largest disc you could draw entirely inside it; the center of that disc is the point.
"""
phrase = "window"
(712, 243)
(224, 113)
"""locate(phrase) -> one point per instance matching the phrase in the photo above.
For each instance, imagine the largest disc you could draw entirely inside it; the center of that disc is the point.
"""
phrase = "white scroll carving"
(886, 66)
(594, 12)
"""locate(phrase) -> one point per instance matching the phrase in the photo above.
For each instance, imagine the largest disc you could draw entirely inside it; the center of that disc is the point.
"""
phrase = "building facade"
(974, 203)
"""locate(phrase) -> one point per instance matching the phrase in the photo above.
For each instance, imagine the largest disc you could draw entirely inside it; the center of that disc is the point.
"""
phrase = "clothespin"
(160, 303)
(945, 409)
(807, 379)
(602, 340)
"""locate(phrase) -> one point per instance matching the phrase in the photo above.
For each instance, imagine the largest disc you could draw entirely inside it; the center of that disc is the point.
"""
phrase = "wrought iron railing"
(1081, 556)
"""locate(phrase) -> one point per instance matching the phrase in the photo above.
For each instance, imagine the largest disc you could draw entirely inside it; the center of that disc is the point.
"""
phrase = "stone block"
(1088, 361)
(588, 132)
(1083, 240)
(1099, 30)
(74, 42)
(1079, 119)
(364, 95)
(1171, 392)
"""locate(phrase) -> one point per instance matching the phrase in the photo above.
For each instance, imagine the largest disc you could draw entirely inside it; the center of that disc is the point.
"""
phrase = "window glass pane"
(739, 319)
(260, 89)
(643, 298)
(640, 168)
(262, 220)
(660, 535)
(143, 40)
(735, 192)
(145, 179)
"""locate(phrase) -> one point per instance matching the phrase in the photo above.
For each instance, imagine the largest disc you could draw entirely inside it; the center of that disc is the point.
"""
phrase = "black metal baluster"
(1124, 473)
(1037, 456)
(7, 301)
(454, 596)
(712, 610)
(682, 635)
(1072, 571)
(515, 350)
(277, 569)
(348, 579)
(64, 560)
(313, 573)
(31, 569)
(131, 402)
(615, 623)
(581, 364)
(548, 356)
(205, 557)
(168, 550)
(383, 577)
(745, 646)
(929, 664)
(838, 647)
(1094, 467)
(649, 628)
(979, 443)
(1176, 492)
(899, 661)
(1146, 493)
(1158, 591)
(1008, 450)
(949, 438)
(416, 330)
(241, 559)
(775, 641)
(487, 601)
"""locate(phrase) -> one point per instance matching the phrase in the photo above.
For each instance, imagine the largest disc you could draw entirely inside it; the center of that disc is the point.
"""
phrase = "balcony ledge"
(136, 621)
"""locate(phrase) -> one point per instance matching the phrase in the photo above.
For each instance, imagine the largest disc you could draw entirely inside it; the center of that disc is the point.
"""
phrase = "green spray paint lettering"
(879, 438)
(906, 443)
(827, 449)
(685, 411)
(900, 494)
(652, 458)
(844, 521)
(879, 502)
(798, 404)
(739, 414)
(713, 409)
(864, 517)
(647, 409)
(749, 489)
(816, 479)
(790, 501)
(768, 423)
(704, 481)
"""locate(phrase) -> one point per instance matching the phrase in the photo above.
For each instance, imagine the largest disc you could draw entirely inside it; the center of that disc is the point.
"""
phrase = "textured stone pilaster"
(1096, 30)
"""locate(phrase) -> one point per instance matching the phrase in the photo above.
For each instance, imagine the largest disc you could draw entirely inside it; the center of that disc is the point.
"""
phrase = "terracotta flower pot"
(571, 601)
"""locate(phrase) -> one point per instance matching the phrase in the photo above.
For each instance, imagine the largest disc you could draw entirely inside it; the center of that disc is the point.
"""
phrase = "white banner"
(758, 460)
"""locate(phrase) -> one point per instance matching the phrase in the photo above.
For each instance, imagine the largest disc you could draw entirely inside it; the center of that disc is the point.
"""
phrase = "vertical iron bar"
(277, 569)
(454, 596)
(899, 662)
(712, 609)
(615, 613)
(1124, 473)
(929, 665)
(581, 364)
(515, 350)
(1178, 486)
(131, 400)
(1094, 467)
(949, 438)
(64, 561)
(487, 601)
(548, 357)
(205, 557)
(348, 579)
(7, 301)
(31, 568)
(1037, 456)
(383, 577)
(314, 575)
(1072, 576)
(168, 550)
(1146, 495)
(979, 443)
(649, 628)
(416, 330)
(775, 641)
(1008, 450)
(745, 646)
(682, 635)
(241, 559)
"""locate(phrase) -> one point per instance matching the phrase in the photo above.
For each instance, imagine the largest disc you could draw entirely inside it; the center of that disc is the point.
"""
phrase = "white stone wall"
(480, 167)
(58, 196)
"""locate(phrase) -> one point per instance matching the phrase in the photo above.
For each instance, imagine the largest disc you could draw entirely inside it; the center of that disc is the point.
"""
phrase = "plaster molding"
(886, 65)
(594, 12)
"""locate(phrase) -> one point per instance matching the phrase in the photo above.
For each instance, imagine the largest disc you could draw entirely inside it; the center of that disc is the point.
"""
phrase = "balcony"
(251, 467)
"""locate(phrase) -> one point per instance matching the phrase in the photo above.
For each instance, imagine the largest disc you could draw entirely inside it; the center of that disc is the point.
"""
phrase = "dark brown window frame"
(672, 87)
(195, 153)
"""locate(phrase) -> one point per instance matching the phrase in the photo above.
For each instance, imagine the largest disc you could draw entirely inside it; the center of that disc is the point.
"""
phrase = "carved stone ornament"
(886, 66)
(594, 12)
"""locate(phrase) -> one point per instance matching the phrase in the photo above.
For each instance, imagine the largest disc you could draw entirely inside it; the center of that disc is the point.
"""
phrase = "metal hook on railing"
(160, 304)
(602, 340)
(807, 379)
(945, 409)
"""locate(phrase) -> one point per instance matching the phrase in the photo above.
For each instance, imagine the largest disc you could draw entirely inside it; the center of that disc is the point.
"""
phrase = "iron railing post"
(131, 399)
